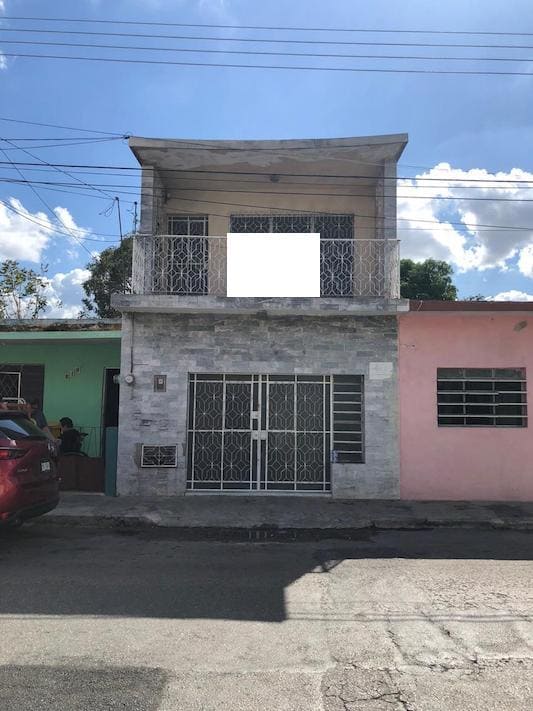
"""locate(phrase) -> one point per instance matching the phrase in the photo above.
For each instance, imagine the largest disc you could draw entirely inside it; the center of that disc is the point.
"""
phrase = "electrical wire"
(66, 128)
(216, 214)
(247, 182)
(85, 142)
(255, 53)
(263, 27)
(357, 70)
(59, 170)
(274, 192)
(50, 209)
(291, 175)
(262, 40)
(49, 225)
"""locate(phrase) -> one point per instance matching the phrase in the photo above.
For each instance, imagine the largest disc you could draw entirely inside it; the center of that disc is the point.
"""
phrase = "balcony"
(175, 265)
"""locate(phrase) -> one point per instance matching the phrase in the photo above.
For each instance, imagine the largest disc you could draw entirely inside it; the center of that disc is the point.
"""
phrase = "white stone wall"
(176, 345)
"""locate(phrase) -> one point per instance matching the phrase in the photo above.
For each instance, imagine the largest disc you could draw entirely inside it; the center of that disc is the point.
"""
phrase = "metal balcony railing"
(187, 265)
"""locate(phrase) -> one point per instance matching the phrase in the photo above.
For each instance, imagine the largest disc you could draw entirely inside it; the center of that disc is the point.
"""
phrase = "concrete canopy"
(360, 159)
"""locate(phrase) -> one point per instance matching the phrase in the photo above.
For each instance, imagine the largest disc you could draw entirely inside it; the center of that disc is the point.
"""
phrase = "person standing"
(37, 415)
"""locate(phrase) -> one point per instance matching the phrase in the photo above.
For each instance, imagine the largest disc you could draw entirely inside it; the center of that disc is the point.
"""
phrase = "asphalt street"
(142, 621)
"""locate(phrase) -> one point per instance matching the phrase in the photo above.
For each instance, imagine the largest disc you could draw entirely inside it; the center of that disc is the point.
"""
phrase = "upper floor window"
(482, 397)
(188, 225)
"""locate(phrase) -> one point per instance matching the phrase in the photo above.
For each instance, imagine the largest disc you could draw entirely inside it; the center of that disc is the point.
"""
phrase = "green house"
(70, 366)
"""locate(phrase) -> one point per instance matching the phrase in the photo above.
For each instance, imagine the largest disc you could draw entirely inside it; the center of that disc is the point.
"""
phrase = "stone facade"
(178, 344)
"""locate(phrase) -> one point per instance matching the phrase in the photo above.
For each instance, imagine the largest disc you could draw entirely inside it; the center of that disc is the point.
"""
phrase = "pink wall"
(461, 463)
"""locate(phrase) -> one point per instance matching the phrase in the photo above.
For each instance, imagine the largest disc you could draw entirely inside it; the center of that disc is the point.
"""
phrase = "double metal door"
(259, 432)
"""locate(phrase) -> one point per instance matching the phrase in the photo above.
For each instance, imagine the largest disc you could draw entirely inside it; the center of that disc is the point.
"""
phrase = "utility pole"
(119, 218)
(135, 217)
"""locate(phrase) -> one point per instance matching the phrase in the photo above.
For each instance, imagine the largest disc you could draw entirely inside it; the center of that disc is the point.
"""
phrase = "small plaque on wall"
(380, 371)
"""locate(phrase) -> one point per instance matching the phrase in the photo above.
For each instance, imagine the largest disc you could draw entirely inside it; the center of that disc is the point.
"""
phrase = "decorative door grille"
(337, 265)
(180, 264)
(259, 432)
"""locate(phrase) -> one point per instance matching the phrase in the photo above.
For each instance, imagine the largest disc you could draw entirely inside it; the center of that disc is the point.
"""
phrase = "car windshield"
(19, 427)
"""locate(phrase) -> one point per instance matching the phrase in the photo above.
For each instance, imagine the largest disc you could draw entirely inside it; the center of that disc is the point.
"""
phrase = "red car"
(28, 481)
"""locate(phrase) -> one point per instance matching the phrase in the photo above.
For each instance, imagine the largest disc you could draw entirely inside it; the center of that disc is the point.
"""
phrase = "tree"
(431, 279)
(22, 291)
(110, 273)
(476, 297)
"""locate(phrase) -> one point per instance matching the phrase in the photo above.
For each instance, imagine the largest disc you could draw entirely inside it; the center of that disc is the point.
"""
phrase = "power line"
(357, 70)
(262, 40)
(268, 53)
(50, 210)
(479, 227)
(24, 139)
(54, 125)
(46, 225)
(266, 27)
(179, 190)
(528, 185)
(182, 171)
(85, 142)
(59, 170)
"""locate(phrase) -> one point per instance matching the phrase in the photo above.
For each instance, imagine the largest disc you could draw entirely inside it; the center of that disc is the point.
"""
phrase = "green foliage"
(431, 279)
(22, 291)
(476, 297)
(110, 273)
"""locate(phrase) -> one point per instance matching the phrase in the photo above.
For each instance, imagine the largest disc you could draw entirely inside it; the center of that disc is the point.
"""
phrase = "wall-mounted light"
(129, 379)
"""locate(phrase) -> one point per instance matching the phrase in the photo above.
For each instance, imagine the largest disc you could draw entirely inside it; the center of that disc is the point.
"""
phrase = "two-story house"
(235, 394)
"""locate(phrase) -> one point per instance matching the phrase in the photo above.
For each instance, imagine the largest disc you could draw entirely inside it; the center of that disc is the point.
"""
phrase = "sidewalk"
(278, 517)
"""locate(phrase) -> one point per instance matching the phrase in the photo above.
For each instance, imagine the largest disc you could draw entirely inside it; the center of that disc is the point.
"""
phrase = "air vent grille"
(159, 455)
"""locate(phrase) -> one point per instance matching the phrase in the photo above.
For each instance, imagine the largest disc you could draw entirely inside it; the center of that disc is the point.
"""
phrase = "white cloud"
(525, 261)
(512, 295)
(25, 235)
(2, 6)
(64, 293)
(467, 243)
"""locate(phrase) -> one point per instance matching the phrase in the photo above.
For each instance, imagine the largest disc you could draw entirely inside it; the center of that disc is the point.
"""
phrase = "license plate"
(45, 466)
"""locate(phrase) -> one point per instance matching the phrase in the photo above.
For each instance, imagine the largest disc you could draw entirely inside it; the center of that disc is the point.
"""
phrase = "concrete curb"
(272, 532)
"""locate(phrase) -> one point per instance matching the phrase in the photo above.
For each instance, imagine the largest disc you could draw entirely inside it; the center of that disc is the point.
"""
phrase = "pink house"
(464, 369)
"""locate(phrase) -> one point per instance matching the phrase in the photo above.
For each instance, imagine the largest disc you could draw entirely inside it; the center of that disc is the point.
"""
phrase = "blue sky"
(469, 123)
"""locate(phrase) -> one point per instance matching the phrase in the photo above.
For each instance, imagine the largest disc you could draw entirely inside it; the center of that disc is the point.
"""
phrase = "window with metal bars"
(337, 246)
(347, 407)
(181, 261)
(188, 225)
(481, 397)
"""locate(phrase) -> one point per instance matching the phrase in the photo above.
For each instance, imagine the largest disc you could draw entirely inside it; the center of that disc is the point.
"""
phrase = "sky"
(461, 127)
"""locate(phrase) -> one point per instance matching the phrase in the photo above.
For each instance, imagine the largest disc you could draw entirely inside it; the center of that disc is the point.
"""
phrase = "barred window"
(481, 397)
(347, 408)
(188, 225)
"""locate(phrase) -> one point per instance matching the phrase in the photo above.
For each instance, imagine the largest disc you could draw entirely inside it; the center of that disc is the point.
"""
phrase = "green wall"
(78, 396)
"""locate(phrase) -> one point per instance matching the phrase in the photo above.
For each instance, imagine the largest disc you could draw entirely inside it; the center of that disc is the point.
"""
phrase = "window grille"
(348, 442)
(181, 263)
(10, 385)
(481, 397)
(337, 250)
(188, 225)
(157, 455)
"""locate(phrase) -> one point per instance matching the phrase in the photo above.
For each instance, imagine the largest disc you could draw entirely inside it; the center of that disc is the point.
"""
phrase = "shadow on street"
(48, 570)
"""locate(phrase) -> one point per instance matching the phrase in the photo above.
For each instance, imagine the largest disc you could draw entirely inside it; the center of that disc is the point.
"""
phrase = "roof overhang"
(63, 330)
(360, 157)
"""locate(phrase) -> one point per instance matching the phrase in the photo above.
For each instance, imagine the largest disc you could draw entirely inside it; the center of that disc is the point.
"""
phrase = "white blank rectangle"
(270, 265)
